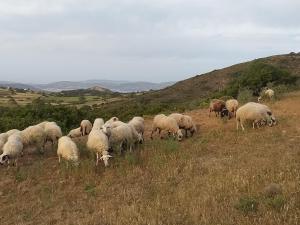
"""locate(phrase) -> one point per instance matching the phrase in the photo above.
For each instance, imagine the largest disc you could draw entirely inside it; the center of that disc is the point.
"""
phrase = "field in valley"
(13, 98)
(216, 177)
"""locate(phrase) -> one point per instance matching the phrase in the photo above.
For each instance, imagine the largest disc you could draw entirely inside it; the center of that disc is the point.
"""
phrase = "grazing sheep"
(3, 139)
(98, 143)
(85, 127)
(75, 133)
(12, 149)
(185, 122)
(67, 150)
(232, 106)
(115, 124)
(34, 136)
(267, 93)
(163, 122)
(216, 105)
(255, 113)
(52, 132)
(124, 135)
(11, 132)
(139, 124)
(5, 136)
(111, 120)
(98, 123)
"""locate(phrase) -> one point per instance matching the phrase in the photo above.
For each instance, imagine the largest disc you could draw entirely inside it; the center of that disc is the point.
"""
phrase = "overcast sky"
(156, 40)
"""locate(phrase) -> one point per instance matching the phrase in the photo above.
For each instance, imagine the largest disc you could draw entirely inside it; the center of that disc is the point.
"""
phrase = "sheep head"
(4, 159)
(179, 135)
(105, 159)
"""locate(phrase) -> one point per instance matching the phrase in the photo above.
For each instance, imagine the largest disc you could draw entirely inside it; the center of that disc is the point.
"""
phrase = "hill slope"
(216, 177)
(202, 86)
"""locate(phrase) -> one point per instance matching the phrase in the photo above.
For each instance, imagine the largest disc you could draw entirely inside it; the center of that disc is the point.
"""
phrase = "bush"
(245, 96)
(257, 76)
(247, 205)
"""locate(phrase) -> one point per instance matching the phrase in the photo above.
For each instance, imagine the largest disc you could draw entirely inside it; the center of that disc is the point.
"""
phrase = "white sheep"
(162, 122)
(114, 124)
(52, 132)
(85, 127)
(255, 113)
(184, 122)
(139, 124)
(12, 149)
(11, 132)
(111, 120)
(98, 123)
(267, 93)
(232, 106)
(98, 143)
(3, 139)
(124, 135)
(74, 133)
(34, 136)
(67, 150)
(5, 136)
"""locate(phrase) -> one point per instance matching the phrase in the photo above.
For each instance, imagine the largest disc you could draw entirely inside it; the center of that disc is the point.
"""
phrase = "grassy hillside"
(202, 86)
(216, 177)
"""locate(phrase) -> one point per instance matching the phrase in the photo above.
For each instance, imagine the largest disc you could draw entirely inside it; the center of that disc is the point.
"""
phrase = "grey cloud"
(139, 40)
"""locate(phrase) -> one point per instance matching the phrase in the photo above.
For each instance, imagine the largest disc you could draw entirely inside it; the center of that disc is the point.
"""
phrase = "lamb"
(67, 150)
(185, 122)
(138, 123)
(216, 105)
(98, 143)
(267, 93)
(98, 123)
(52, 132)
(255, 113)
(124, 135)
(34, 136)
(12, 149)
(232, 106)
(75, 133)
(163, 122)
(85, 127)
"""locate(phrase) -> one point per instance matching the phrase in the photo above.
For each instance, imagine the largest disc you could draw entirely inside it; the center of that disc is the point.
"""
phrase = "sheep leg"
(186, 133)
(153, 131)
(242, 125)
(59, 159)
(209, 112)
(237, 124)
(97, 158)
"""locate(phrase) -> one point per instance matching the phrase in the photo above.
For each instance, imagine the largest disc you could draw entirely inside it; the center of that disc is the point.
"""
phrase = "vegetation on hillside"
(257, 76)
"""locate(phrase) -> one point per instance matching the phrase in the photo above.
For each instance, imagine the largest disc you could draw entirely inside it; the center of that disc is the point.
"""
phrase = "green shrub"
(276, 203)
(247, 205)
(245, 95)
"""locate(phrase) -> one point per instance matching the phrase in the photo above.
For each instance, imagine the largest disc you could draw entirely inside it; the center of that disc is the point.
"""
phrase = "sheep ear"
(109, 156)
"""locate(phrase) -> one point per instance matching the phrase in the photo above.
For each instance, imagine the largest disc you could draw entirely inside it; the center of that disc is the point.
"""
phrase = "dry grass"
(216, 177)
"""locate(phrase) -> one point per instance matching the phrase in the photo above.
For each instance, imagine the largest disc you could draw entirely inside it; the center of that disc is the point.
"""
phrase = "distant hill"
(6, 84)
(116, 86)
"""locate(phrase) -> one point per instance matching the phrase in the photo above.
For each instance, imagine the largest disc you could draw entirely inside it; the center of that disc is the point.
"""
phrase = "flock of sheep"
(103, 137)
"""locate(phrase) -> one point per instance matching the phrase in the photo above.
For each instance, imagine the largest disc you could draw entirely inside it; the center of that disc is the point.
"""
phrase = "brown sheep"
(216, 105)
